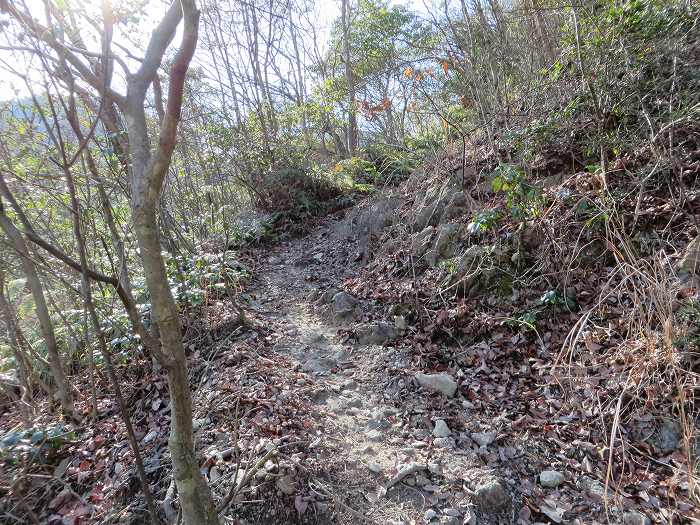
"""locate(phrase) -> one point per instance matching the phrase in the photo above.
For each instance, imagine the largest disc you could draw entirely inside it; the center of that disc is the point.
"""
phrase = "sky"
(12, 87)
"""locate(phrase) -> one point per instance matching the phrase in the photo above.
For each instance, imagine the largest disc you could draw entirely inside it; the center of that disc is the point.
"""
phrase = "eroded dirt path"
(368, 462)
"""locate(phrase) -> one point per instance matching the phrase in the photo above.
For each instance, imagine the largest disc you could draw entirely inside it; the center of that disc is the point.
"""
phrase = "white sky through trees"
(131, 36)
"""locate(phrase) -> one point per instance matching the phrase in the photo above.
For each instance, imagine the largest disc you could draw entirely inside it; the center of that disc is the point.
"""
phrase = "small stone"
(441, 383)
(441, 429)
(451, 512)
(400, 322)
(355, 402)
(374, 467)
(374, 435)
(592, 486)
(214, 475)
(286, 485)
(491, 496)
(344, 304)
(446, 442)
(422, 481)
(150, 436)
(435, 468)
(469, 517)
(483, 439)
(551, 478)
(635, 518)
(375, 333)
(411, 482)
(430, 514)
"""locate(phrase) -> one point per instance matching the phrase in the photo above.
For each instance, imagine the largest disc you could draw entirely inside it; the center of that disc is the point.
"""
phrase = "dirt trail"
(373, 469)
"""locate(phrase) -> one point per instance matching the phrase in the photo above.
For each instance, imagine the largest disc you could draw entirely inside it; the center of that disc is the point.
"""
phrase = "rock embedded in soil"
(150, 437)
(375, 333)
(635, 518)
(592, 486)
(374, 467)
(319, 365)
(441, 429)
(430, 514)
(286, 485)
(444, 442)
(491, 496)
(551, 478)
(440, 383)
(422, 481)
(483, 439)
(344, 304)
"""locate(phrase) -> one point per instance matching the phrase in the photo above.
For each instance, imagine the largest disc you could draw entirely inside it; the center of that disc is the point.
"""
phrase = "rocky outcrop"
(439, 205)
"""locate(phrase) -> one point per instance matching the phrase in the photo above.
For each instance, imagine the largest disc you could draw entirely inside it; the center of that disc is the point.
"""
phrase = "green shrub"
(392, 164)
(294, 193)
(523, 200)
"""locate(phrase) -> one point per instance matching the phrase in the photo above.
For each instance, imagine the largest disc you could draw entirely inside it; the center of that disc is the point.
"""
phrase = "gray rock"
(319, 365)
(374, 467)
(593, 487)
(422, 481)
(441, 429)
(430, 514)
(344, 304)
(444, 245)
(442, 383)
(327, 296)
(458, 204)
(400, 323)
(374, 435)
(451, 512)
(435, 468)
(469, 517)
(435, 203)
(483, 439)
(150, 436)
(286, 485)
(420, 242)
(375, 333)
(666, 437)
(491, 496)
(551, 478)
(635, 518)
(314, 338)
(690, 262)
(446, 442)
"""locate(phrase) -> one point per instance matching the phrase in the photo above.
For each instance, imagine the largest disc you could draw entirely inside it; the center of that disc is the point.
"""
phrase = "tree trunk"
(24, 366)
(352, 110)
(148, 174)
(42, 312)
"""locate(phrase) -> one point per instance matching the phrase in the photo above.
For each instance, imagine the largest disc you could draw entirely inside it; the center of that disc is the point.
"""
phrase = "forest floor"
(327, 408)
(375, 442)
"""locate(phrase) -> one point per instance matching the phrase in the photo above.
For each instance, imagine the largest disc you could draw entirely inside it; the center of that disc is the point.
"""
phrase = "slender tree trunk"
(63, 389)
(24, 367)
(352, 110)
(111, 372)
(148, 174)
